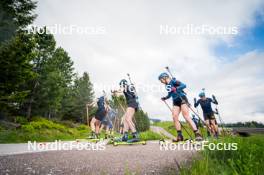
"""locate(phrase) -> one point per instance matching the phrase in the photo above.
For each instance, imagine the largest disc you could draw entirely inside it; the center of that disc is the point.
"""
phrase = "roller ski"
(133, 141)
(125, 141)
(92, 138)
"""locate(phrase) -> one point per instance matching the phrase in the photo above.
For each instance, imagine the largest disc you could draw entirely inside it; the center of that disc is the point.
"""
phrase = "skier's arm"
(181, 86)
(214, 100)
(196, 103)
(166, 97)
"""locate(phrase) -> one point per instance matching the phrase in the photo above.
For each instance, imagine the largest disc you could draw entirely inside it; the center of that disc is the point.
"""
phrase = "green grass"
(248, 159)
(41, 130)
(149, 135)
(169, 126)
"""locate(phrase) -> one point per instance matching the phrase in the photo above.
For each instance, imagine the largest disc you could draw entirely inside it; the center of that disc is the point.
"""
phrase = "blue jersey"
(206, 105)
(179, 93)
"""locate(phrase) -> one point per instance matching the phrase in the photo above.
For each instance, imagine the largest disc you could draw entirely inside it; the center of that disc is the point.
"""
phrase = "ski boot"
(216, 135)
(198, 136)
(178, 139)
(124, 138)
(106, 136)
(135, 137)
(97, 136)
(92, 136)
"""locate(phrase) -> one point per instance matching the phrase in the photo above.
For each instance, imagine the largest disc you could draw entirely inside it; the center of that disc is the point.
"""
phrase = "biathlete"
(132, 107)
(100, 115)
(208, 112)
(107, 123)
(180, 104)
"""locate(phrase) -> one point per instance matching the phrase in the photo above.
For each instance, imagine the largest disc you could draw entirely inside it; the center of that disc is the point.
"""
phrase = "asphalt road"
(125, 159)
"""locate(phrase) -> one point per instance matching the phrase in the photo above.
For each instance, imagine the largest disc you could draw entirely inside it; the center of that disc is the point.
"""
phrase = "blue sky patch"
(248, 40)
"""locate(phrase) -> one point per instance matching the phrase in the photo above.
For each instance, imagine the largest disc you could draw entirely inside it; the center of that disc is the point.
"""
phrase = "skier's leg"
(186, 115)
(92, 125)
(107, 133)
(207, 123)
(129, 118)
(177, 124)
(175, 115)
(125, 128)
(97, 127)
(214, 127)
(101, 127)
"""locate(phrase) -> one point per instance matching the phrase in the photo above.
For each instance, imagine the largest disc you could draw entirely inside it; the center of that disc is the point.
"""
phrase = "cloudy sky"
(129, 37)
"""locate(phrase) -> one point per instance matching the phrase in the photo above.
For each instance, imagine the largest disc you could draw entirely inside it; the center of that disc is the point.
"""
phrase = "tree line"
(37, 77)
(252, 124)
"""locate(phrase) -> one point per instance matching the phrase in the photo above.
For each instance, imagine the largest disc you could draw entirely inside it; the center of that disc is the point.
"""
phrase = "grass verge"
(248, 159)
(41, 130)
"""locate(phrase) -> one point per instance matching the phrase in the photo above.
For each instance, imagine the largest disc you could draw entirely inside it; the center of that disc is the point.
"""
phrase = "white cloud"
(133, 44)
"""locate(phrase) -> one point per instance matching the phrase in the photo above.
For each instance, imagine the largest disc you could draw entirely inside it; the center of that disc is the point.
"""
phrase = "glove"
(173, 89)
(163, 98)
(195, 100)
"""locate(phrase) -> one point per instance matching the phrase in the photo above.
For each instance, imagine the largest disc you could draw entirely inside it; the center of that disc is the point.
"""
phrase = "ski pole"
(221, 121)
(179, 120)
(168, 69)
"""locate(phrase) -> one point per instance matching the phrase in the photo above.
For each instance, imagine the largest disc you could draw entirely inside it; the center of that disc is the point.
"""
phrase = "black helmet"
(123, 82)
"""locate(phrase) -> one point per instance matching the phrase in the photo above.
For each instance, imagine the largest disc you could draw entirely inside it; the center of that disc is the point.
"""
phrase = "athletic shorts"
(180, 101)
(209, 116)
(133, 104)
(100, 115)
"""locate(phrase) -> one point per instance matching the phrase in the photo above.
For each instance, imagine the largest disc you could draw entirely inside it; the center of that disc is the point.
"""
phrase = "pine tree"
(15, 15)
